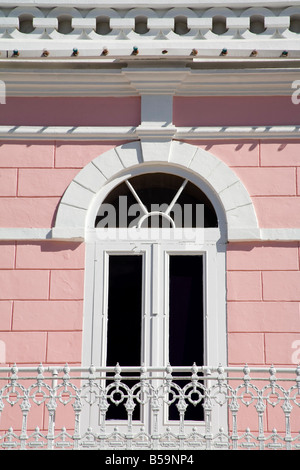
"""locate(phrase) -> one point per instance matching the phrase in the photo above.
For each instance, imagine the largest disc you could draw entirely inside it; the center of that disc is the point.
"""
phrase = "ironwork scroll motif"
(64, 393)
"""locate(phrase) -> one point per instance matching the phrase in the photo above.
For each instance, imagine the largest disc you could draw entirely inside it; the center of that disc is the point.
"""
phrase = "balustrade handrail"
(223, 394)
(209, 369)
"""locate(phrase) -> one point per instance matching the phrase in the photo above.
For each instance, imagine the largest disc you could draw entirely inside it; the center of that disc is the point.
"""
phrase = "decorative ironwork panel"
(49, 408)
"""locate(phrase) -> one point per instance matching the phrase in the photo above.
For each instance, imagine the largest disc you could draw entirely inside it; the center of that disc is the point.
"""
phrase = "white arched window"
(157, 267)
(156, 234)
(152, 237)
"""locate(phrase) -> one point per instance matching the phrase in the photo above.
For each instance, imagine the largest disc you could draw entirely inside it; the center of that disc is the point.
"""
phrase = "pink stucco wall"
(263, 296)
(69, 111)
(234, 111)
(270, 172)
(41, 295)
(41, 301)
(34, 176)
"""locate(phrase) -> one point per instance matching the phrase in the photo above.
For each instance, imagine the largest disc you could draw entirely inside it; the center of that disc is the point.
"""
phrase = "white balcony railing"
(53, 408)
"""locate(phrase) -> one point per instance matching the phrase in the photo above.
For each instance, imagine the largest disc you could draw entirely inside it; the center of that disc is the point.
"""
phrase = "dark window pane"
(186, 320)
(124, 310)
(119, 200)
(186, 310)
(156, 191)
(124, 319)
(192, 195)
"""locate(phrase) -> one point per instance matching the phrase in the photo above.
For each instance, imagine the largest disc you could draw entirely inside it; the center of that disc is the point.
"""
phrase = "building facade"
(163, 107)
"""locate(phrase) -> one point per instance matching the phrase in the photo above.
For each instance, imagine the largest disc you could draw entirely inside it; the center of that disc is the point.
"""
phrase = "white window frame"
(214, 289)
(213, 250)
(214, 303)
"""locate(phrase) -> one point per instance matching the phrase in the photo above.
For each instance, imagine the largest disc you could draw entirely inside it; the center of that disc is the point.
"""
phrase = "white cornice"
(116, 133)
(240, 81)
(38, 81)
(67, 133)
(238, 132)
(99, 79)
(156, 80)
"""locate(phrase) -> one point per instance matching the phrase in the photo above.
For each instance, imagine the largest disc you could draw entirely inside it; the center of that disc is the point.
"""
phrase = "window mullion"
(142, 206)
(173, 202)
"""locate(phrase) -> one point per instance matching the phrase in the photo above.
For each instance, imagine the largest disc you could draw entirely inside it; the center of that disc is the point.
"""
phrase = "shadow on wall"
(238, 147)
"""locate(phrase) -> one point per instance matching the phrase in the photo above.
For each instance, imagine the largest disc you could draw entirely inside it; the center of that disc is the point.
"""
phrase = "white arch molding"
(80, 202)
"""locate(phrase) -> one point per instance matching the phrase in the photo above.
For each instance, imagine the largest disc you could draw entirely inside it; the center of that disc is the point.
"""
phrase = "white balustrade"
(48, 407)
(178, 27)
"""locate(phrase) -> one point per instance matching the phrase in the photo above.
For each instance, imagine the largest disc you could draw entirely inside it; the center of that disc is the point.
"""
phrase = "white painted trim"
(148, 49)
(81, 235)
(155, 317)
(177, 49)
(238, 132)
(194, 77)
(157, 4)
(280, 234)
(68, 133)
(127, 133)
(13, 234)
(265, 235)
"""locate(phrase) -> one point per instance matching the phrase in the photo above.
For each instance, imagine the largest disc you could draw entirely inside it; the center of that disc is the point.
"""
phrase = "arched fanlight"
(156, 200)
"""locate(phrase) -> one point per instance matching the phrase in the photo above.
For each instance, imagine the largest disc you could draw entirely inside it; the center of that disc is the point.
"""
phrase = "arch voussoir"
(238, 207)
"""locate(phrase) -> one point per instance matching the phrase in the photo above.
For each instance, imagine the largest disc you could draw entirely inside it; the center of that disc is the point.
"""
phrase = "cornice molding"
(254, 81)
(67, 133)
(238, 132)
(156, 80)
(40, 81)
(118, 133)
(192, 80)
